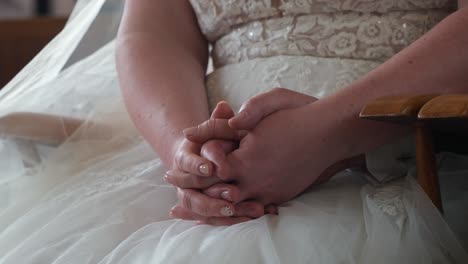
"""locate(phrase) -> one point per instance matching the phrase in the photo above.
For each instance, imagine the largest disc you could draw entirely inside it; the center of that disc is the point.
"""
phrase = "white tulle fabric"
(102, 199)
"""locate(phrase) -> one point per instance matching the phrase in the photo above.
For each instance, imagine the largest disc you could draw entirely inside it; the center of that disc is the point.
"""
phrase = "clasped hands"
(234, 168)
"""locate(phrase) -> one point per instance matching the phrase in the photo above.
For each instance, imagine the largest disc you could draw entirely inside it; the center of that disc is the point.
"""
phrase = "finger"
(184, 214)
(213, 129)
(201, 204)
(224, 191)
(271, 209)
(224, 221)
(216, 152)
(186, 180)
(260, 106)
(247, 209)
(222, 111)
(193, 164)
(250, 209)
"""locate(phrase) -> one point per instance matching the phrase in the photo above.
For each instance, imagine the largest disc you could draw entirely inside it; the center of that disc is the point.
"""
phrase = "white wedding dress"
(101, 198)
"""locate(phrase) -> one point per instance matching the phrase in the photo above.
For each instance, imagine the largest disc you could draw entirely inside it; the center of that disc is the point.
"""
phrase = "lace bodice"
(357, 29)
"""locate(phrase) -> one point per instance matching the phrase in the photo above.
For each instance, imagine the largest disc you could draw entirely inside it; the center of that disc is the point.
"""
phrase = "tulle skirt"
(101, 198)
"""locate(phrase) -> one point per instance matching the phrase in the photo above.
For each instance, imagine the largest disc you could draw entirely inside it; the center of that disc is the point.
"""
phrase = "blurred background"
(26, 26)
(29, 8)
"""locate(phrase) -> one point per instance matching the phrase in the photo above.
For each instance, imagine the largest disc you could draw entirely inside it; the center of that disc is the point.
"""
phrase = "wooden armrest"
(401, 109)
(452, 106)
(41, 128)
(448, 114)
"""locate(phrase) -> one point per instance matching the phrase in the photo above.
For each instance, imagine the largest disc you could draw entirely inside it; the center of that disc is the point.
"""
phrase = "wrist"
(337, 124)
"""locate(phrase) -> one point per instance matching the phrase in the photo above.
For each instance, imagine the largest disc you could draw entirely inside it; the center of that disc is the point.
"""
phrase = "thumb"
(222, 111)
(260, 106)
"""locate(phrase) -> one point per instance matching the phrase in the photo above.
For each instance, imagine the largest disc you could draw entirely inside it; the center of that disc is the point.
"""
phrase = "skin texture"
(157, 88)
(436, 63)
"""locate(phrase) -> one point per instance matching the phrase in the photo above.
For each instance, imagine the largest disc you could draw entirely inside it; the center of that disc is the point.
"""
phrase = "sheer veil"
(66, 82)
(92, 24)
(93, 192)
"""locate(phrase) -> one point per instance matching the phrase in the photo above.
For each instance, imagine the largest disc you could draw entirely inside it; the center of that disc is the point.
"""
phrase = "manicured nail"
(227, 211)
(226, 196)
(171, 213)
(204, 169)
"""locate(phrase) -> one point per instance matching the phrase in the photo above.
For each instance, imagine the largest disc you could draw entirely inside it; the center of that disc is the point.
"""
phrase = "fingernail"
(189, 131)
(166, 178)
(242, 115)
(204, 169)
(227, 211)
(226, 196)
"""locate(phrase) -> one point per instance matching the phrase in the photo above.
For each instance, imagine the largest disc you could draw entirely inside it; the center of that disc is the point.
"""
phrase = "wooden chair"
(430, 115)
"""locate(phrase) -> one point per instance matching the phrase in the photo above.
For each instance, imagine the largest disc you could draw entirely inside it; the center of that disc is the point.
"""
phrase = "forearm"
(436, 63)
(161, 70)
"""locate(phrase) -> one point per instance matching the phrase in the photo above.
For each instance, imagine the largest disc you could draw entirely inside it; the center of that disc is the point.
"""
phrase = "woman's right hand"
(191, 173)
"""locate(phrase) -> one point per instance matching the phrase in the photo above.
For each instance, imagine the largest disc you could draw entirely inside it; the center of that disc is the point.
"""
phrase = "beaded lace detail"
(356, 29)
(219, 17)
(350, 35)
(389, 199)
(314, 47)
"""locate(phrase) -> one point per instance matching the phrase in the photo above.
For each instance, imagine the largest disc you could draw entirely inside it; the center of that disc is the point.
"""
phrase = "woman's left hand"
(287, 152)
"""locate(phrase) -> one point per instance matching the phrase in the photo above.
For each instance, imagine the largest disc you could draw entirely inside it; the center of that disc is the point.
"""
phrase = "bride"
(101, 197)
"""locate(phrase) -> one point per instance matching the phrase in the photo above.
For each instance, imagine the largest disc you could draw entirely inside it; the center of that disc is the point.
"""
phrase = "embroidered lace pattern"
(219, 17)
(310, 46)
(350, 35)
(389, 199)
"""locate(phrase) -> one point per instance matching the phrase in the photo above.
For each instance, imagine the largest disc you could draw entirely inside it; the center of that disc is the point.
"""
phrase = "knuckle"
(186, 200)
(212, 144)
(200, 129)
(204, 210)
(211, 124)
(179, 159)
(209, 148)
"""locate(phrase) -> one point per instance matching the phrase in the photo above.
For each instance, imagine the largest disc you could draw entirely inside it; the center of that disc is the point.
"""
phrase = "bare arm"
(436, 63)
(161, 61)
